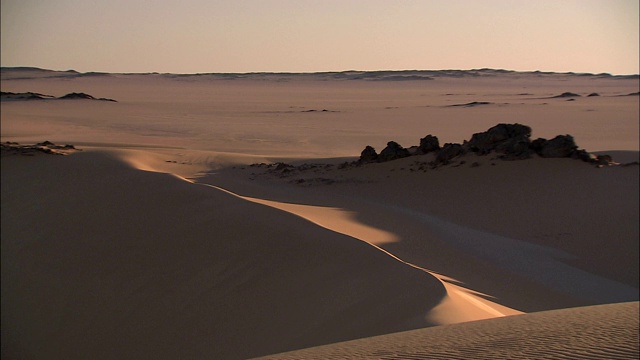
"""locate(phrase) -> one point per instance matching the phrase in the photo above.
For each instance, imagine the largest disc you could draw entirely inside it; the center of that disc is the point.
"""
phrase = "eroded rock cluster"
(46, 147)
(508, 141)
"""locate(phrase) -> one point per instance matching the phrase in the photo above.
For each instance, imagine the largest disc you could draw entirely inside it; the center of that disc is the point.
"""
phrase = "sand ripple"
(595, 332)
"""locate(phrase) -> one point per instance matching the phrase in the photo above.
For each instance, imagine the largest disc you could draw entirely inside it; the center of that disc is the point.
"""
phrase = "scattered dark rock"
(282, 166)
(428, 144)
(605, 160)
(314, 110)
(393, 151)
(47, 147)
(472, 104)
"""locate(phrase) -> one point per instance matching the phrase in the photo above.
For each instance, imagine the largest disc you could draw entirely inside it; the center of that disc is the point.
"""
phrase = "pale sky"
(198, 36)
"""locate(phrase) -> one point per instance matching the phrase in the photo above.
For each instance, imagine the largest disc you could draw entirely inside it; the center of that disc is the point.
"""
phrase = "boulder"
(428, 144)
(393, 151)
(448, 152)
(369, 154)
(499, 136)
(515, 148)
(558, 147)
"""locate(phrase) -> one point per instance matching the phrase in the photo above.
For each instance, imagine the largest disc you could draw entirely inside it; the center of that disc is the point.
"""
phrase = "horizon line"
(324, 71)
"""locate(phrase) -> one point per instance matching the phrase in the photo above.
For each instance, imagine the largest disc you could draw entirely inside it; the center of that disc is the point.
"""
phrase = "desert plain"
(228, 216)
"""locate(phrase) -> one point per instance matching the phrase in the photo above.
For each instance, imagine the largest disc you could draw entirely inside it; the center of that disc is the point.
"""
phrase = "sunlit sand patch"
(331, 218)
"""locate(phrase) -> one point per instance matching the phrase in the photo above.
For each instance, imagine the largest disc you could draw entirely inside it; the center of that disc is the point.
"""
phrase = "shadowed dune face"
(103, 261)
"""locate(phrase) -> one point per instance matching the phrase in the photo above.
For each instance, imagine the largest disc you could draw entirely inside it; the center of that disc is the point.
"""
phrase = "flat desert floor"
(226, 216)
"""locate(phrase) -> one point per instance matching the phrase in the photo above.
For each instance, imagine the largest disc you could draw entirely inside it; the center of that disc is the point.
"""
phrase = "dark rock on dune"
(508, 141)
(558, 147)
(393, 151)
(583, 155)
(632, 94)
(24, 96)
(82, 96)
(593, 94)
(507, 137)
(47, 147)
(37, 96)
(428, 144)
(603, 160)
(77, 96)
(565, 95)
(448, 152)
(516, 148)
(472, 104)
(369, 154)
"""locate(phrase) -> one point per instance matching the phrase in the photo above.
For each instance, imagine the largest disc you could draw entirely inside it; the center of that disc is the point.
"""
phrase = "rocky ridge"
(45, 147)
(508, 141)
(37, 96)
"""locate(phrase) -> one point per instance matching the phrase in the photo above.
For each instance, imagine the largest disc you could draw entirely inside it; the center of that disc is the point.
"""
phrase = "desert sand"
(169, 230)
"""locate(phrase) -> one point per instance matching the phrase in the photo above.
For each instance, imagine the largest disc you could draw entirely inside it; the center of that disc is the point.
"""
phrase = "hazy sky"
(190, 36)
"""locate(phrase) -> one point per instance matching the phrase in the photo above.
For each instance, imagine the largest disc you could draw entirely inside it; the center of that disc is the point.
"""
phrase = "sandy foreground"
(172, 235)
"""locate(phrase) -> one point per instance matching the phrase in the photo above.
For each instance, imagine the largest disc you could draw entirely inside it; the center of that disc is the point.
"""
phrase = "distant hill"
(19, 73)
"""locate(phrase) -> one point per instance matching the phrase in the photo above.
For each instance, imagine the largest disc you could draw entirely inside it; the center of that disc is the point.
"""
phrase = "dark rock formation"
(428, 144)
(37, 96)
(593, 94)
(566, 95)
(448, 152)
(393, 151)
(508, 141)
(47, 147)
(472, 104)
(24, 96)
(505, 137)
(82, 96)
(369, 154)
(558, 147)
(77, 96)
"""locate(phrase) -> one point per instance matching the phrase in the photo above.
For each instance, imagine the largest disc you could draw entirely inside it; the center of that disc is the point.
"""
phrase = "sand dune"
(163, 238)
(594, 332)
(103, 261)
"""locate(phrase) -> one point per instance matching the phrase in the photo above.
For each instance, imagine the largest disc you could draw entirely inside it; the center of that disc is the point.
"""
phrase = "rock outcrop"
(511, 139)
(428, 144)
(37, 96)
(448, 152)
(369, 154)
(393, 151)
(508, 141)
(46, 147)
(558, 147)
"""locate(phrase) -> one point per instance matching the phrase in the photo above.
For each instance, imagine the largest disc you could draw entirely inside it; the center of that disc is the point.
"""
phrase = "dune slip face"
(102, 260)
